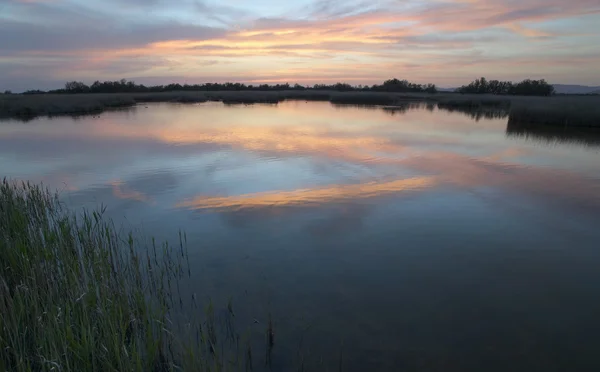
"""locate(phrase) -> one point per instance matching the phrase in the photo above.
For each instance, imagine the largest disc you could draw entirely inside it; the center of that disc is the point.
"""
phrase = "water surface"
(412, 239)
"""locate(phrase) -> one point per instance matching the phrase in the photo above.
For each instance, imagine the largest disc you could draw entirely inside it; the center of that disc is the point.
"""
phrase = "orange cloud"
(356, 44)
(517, 28)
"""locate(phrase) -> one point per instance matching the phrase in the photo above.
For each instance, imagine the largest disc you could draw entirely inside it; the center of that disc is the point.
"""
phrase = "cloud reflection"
(292, 140)
(120, 191)
(342, 147)
(551, 187)
(309, 197)
(345, 133)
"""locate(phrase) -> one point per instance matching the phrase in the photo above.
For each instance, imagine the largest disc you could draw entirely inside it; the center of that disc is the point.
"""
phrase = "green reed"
(78, 295)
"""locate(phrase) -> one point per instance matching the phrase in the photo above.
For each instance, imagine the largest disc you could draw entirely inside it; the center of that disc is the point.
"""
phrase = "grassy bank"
(76, 295)
(31, 106)
(550, 111)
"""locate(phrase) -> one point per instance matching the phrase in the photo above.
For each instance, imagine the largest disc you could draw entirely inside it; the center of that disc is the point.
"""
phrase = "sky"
(44, 43)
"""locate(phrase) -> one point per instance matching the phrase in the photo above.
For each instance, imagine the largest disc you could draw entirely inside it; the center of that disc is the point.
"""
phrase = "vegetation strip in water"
(557, 111)
(76, 295)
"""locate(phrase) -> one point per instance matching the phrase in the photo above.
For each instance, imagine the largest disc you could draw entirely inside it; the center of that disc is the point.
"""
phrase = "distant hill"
(575, 89)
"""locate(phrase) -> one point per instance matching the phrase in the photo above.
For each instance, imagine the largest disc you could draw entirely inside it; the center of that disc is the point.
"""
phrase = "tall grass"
(30, 106)
(76, 295)
(557, 112)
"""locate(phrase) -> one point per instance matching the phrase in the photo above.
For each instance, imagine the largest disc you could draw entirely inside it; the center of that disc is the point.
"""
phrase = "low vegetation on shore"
(560, 111)
(563, 111)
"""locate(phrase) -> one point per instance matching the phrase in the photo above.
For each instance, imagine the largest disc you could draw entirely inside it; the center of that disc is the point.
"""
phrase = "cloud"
(227, 15)
(331, 9)
(480, 14)
(187, 33)
(529, 32)
(51, 39)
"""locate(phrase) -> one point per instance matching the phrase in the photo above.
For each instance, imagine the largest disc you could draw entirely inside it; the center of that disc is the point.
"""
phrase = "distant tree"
(285, 86)
(395, 85)
(343, 87)
(478, 86)
(7, 92)
(533, 88)
(34, 92)
(430, 88)
(76, 87)
(525, 88)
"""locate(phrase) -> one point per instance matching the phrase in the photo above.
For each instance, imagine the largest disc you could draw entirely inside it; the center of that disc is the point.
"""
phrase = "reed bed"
(579, 111)
(76, 294)
(589, 137)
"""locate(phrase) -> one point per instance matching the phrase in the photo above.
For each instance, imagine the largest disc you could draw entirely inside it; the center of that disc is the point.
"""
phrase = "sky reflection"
(367, 225)
(292, 154)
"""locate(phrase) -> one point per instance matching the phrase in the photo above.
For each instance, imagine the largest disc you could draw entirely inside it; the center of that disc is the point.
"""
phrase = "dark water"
(415, 240)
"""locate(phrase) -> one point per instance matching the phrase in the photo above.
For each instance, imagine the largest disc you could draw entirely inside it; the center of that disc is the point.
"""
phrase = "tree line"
(125, 86)
(526, 87)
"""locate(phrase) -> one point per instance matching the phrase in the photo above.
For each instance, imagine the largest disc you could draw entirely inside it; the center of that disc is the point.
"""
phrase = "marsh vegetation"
(490, 98)
(563, 111)
(548, 135)
(77, 294)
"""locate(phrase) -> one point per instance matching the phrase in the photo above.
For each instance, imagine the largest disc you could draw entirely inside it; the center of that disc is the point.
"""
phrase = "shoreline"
(555, 111)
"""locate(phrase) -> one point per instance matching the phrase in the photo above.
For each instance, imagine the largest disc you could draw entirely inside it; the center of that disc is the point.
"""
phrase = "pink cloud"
(427, 39)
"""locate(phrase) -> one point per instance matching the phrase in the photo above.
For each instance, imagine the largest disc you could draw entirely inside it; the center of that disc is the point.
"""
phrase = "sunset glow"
(44, 43)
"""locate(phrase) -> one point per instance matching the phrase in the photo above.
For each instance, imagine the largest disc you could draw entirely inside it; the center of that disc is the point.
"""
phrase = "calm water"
(418, 240)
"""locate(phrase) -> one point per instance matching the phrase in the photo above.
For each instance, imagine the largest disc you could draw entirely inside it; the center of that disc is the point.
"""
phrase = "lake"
(412, 239)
